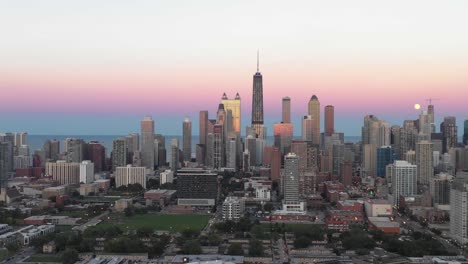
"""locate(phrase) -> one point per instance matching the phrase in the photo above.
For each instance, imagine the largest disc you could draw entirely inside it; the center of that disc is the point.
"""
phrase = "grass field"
(44, 258)
(172, 223)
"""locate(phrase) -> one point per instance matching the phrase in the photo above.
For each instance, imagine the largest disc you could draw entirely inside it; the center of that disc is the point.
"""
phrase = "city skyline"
(356, 58)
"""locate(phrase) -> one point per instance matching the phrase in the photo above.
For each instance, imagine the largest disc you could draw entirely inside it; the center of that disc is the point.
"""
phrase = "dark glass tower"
(257, 101)
(465, 132)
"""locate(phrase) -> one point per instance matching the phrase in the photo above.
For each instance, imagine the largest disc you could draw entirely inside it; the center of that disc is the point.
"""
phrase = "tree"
(258, 232)
(255, 248)
(235, 249)
(302, 242)
(69, 256)
(268, 207)
(144, 231)
(128, 212)
(192, 247)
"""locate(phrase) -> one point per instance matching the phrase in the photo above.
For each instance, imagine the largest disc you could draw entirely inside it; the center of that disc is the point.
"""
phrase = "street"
(22, 255)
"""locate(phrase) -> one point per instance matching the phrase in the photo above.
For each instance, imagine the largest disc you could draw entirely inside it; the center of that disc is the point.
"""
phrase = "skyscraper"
(329, 120)
(385, 156)
(257, 101)
(119, 153)
(147, 142)
(424, 162)
(449, 133)
(187, 139)
(234, 105)
(402, 175)
(203, 126)
(314, 113)
(174, 155)
(290, 183)
(375, 131)
(97, 155)
(459, 212)
(465, 132)
(286, 110)
(291, 178)
(307, 127)
(76, 149)
(86, 171)
(283, 134)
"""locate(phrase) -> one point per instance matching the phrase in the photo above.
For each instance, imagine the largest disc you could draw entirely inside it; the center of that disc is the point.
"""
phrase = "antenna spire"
(258, 61)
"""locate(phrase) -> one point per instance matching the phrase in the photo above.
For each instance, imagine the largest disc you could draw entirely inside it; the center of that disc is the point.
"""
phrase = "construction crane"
(432, 99)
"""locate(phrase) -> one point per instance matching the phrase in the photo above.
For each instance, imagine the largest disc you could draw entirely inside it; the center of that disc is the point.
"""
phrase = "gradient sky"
(97, 67)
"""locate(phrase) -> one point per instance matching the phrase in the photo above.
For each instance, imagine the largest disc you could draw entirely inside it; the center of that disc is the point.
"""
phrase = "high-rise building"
(234, 105)
(76, 149)
(346, 177)
(257, 101)
(147, 142)
(300, 149)
(97, 155)
(86, 171)
(133, 144)
(375, 131)
(130, 175)
(283, 135)
(275, 164)
(119, 153)
(233, 208)
(51, 149)
(251, 146)
(161, 149)
(4, 153)
(307, 128)
(286, 110)
(465, 132)
(459, 209)
(440, 188)
(449, 133)
(369, 160)
(174, 154)
(425, 125)
(402, 176)
(197, 186)
(290, 183)
(329, 120)
(291, 178)
(385, 156)
(63, 172)
(431, 116)
(314, 113)
(218, 147)
(337, 158)
(231, 158)
(203, 127)
(8, 140)
(424, 155)
(187, 139)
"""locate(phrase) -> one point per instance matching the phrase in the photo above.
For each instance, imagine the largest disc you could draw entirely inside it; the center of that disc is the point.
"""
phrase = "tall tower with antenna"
(257, 100)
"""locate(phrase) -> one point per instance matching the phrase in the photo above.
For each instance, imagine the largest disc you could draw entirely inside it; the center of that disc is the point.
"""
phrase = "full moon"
(417, 106)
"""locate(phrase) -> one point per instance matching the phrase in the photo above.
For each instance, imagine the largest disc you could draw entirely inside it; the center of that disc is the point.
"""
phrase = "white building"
(459, 212)
(233, 208)
(130, 175)
(377, 208)
(166, 176)
(26, 234)
(86, 171)
(403, 178)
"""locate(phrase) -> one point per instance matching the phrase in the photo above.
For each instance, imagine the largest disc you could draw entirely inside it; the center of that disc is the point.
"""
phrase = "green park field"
(171, 223)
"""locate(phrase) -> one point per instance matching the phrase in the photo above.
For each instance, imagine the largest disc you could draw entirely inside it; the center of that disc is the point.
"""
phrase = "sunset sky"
(97, 67)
